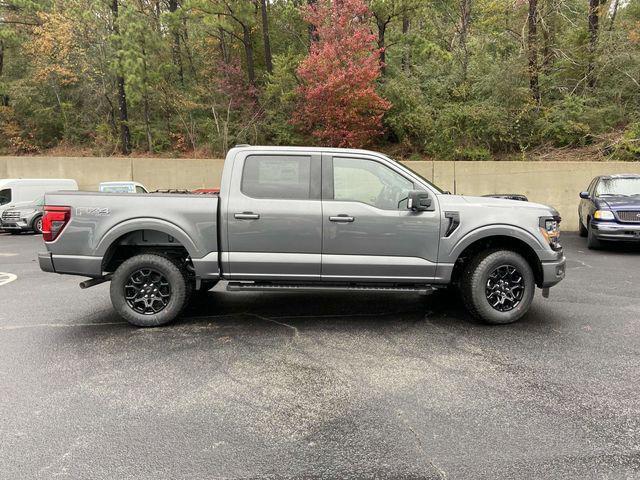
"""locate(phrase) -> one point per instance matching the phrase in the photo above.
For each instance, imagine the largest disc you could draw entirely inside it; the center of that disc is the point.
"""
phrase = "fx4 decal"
(92, 212)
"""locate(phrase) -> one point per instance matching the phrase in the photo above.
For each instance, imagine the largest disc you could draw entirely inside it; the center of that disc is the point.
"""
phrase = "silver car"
(23, 217)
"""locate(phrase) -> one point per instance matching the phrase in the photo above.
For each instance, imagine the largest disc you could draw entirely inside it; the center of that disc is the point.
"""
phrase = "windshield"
(618, 186)
(436, 188)
(5, 196)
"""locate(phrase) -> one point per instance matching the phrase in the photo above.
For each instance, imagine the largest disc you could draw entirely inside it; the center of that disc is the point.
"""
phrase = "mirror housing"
(585, 195)
(419, 201)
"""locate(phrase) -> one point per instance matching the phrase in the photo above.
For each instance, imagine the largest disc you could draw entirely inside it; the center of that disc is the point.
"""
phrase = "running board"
(286, 287)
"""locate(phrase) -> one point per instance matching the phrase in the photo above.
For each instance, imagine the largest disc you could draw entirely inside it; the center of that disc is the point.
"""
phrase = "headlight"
(550, 229)
(603, 215)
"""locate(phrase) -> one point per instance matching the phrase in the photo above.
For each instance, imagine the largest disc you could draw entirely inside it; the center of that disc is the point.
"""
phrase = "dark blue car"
(610, 209)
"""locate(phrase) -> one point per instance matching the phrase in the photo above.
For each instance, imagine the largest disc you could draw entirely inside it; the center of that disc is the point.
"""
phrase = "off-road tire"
(176, 276)
(474, 280)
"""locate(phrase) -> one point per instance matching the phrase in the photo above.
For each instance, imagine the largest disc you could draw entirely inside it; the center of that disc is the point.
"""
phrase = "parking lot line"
(7, 278)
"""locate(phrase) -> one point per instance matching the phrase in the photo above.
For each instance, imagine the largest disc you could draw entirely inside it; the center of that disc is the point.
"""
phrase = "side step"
(295, 287)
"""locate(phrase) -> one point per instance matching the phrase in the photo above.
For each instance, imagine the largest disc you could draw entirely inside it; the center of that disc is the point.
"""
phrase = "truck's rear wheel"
(498, 286)
(149, 290)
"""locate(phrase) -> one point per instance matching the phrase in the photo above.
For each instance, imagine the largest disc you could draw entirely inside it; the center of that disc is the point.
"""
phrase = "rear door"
(274, 217)
(368, 232)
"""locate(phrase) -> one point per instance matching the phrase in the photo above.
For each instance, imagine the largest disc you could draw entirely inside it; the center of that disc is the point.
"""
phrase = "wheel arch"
(516, 243)
(135, 236)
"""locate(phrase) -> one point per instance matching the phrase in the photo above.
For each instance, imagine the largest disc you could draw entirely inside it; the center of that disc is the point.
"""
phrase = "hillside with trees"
(445, 79)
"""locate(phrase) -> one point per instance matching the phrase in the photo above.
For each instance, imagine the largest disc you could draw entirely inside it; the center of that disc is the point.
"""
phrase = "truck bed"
(101, 220)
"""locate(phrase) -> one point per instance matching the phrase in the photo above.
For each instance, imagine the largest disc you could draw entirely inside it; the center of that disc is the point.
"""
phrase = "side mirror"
(418, 201)
(585, 195)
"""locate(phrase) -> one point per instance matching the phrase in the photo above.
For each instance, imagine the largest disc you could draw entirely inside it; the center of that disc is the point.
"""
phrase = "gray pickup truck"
(316, 219)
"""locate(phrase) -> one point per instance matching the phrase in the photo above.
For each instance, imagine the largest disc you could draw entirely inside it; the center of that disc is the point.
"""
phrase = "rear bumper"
(553, 271)
(616, 231)
(46, 262)
(71, 264)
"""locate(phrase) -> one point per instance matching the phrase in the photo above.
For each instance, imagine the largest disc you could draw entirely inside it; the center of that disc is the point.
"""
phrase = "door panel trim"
(370, 267)
(285, 265)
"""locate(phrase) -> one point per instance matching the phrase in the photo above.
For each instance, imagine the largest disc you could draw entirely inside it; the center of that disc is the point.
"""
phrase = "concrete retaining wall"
(552, 183)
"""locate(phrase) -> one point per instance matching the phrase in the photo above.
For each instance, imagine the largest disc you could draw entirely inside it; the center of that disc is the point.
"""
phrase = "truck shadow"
(333, 310)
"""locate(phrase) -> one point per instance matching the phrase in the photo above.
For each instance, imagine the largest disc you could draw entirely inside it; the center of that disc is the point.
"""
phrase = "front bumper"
(616, 231)
(553, 271)
(14, 225)
(46, 262)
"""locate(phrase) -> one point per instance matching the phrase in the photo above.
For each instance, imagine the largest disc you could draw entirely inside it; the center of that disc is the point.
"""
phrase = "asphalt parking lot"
(283, 386)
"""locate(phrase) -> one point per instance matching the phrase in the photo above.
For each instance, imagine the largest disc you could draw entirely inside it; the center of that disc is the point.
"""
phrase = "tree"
(339, 104)
(384, 13)
(265, 36)
(593, 20)
(125, 133)
(532, 46)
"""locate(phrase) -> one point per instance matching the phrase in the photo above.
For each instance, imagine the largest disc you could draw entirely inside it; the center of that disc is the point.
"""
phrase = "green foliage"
(454, 92)
(280, 100)
(409, 121)
(629, 146)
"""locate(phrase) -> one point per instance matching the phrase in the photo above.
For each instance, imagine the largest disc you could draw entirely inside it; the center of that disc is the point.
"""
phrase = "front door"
(368, 232)
(274, 217)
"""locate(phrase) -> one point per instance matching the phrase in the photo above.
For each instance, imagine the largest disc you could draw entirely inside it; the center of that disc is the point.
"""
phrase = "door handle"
(246, 216)
(342, 219)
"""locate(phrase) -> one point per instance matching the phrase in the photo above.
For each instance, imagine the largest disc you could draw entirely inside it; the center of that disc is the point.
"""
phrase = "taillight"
(54, 220)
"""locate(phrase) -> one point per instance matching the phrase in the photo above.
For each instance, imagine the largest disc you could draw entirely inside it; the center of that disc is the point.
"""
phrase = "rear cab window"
(277, 177)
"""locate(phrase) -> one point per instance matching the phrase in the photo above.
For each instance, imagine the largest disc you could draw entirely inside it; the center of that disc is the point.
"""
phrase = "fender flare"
(496, 230)
(132, 225)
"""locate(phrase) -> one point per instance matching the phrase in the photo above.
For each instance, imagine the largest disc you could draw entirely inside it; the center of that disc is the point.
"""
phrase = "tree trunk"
(145, 97)
(4, 98)
(532, 45)
(406, 24)
(175, 47)
(614, 8)
(465, 22)
(125, 134)
(382, 30)
(313, 32)
(248, 51)
(223, 46)
(265, 36)
(594, 19)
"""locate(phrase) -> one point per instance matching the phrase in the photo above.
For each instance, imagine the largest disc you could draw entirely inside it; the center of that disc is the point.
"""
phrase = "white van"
(122, 187)
(26, 190)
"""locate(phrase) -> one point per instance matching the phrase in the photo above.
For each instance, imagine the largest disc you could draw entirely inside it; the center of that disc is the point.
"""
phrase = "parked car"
(207, 191)
(14, 191)
(609, 209)
(122, 187)
(294, 218)
(23, 217)
(509, 196)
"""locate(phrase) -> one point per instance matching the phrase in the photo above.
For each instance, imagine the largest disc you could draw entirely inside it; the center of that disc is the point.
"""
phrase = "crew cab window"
(270, 176)
(139, 189)
(369, 182)
(5, 196)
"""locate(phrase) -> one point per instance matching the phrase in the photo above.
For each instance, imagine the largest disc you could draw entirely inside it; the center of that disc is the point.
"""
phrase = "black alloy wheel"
(505, 288)
(147, 291)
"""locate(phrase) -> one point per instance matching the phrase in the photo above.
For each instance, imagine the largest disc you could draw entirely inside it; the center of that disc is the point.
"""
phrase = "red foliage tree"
(339, 105)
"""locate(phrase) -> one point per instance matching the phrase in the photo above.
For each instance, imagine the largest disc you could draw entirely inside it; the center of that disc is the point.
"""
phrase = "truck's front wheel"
(149, 290)
(498, 286)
